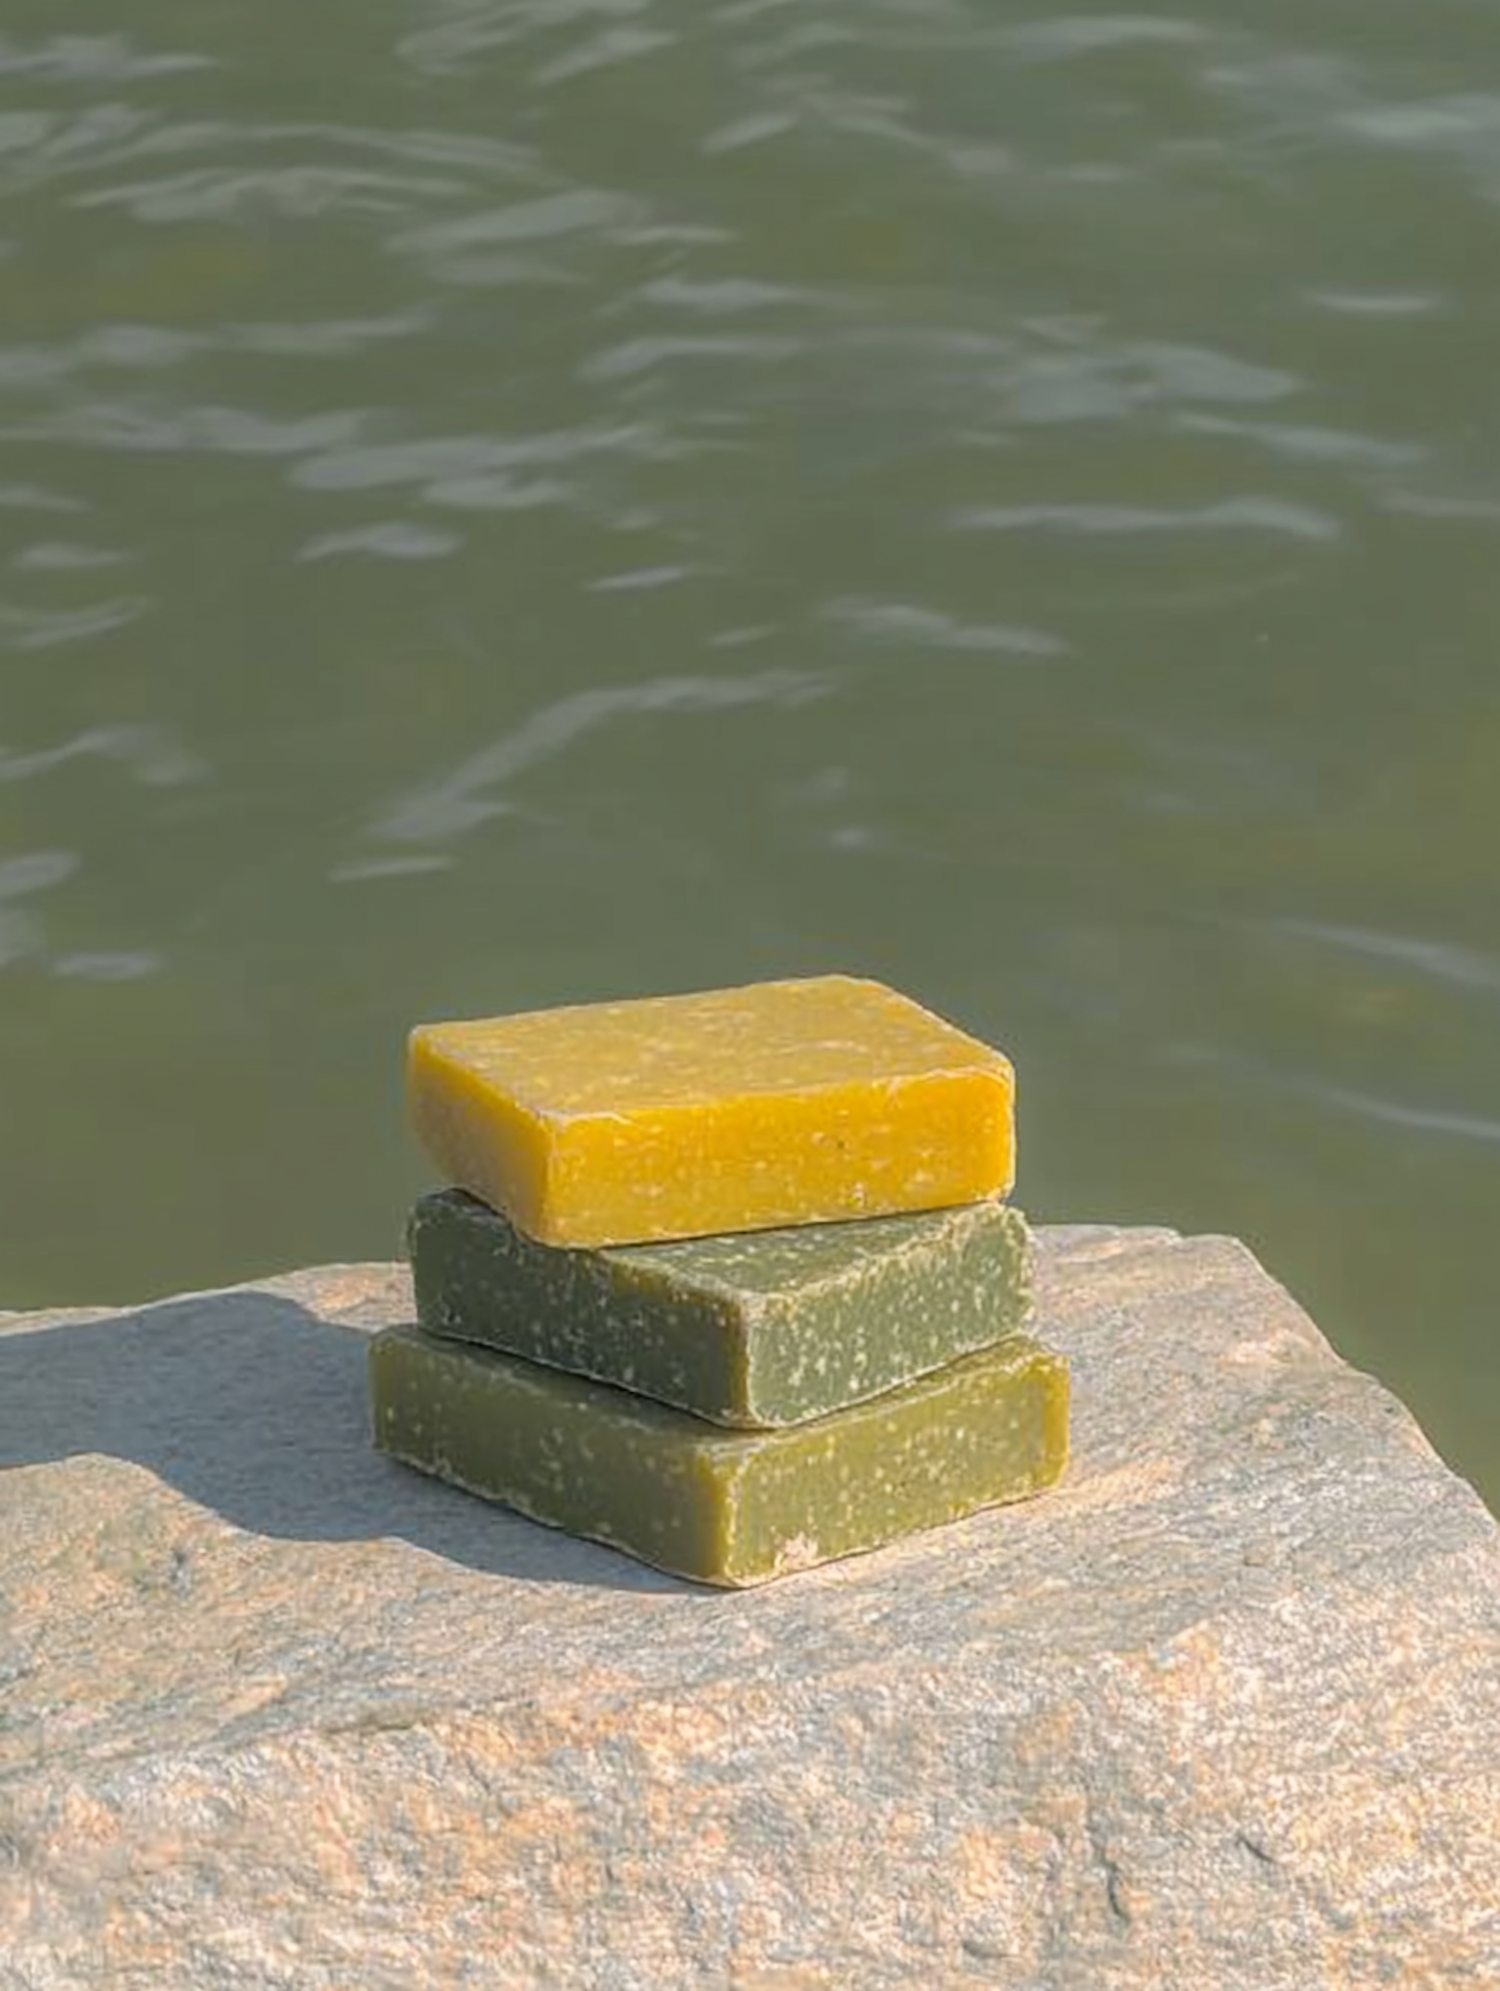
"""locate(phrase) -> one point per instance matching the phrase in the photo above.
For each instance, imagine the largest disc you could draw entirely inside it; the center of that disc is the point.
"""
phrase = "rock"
(1222, 1712)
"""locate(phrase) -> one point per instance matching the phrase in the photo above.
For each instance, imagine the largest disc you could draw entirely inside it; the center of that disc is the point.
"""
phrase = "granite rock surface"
(1222, 1712)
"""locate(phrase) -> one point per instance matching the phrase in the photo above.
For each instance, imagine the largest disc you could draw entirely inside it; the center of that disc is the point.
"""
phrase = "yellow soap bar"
(796, 1102)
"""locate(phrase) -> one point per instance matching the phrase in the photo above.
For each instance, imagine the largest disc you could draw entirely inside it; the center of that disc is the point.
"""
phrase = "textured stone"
(1221, 1711)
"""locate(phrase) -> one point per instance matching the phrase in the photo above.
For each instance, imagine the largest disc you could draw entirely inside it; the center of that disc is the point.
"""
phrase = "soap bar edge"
(1030, 1361)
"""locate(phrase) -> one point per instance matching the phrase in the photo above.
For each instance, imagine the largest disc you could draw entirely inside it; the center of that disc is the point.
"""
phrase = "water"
(508, 501)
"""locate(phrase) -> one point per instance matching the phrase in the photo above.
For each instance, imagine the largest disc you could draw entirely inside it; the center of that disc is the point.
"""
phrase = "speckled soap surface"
(729, 1508)
(790, 1102)
(748, 1329)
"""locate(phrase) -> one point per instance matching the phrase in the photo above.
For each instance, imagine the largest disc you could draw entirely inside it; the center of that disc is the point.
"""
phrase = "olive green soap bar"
(754, 1328)
(723, 1507)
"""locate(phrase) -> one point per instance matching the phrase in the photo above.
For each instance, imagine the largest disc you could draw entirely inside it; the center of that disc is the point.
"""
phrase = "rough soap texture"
(743, 1109)
(1220, 1713)
(731, 1508)
(751, 1329)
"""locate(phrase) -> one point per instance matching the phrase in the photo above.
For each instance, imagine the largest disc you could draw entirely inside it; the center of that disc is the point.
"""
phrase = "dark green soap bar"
(755, 1329)
(723, 1507)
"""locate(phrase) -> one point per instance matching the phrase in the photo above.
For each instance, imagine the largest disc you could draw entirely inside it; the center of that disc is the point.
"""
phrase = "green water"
(508, 501)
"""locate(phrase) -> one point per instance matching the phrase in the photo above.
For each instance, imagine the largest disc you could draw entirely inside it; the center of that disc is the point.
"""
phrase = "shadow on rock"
(255, 1408)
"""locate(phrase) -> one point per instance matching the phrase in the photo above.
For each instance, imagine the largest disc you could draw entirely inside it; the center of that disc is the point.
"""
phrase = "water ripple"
(386, 539)
(149, 753)
(639, 580)
(907, 623)
(60, 556)
(721, 297)
(476, 28)
(472, 794)
(442, 463)
(1306, 443)
(34, 498)
(633, 357)
(53, 629)
(123, 965)
(158, 348)
(35, 871)
(1381, 303)
(743, 132)
(93, 59)
(1091, 34)
(1442, 961)
(577, 210)
(1395, 1113)
(603, 51)
(1276, 516)
(112, 425)
(301, 192)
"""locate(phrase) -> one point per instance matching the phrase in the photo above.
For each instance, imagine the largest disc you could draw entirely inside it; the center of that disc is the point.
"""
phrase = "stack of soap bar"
(724, 1280)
